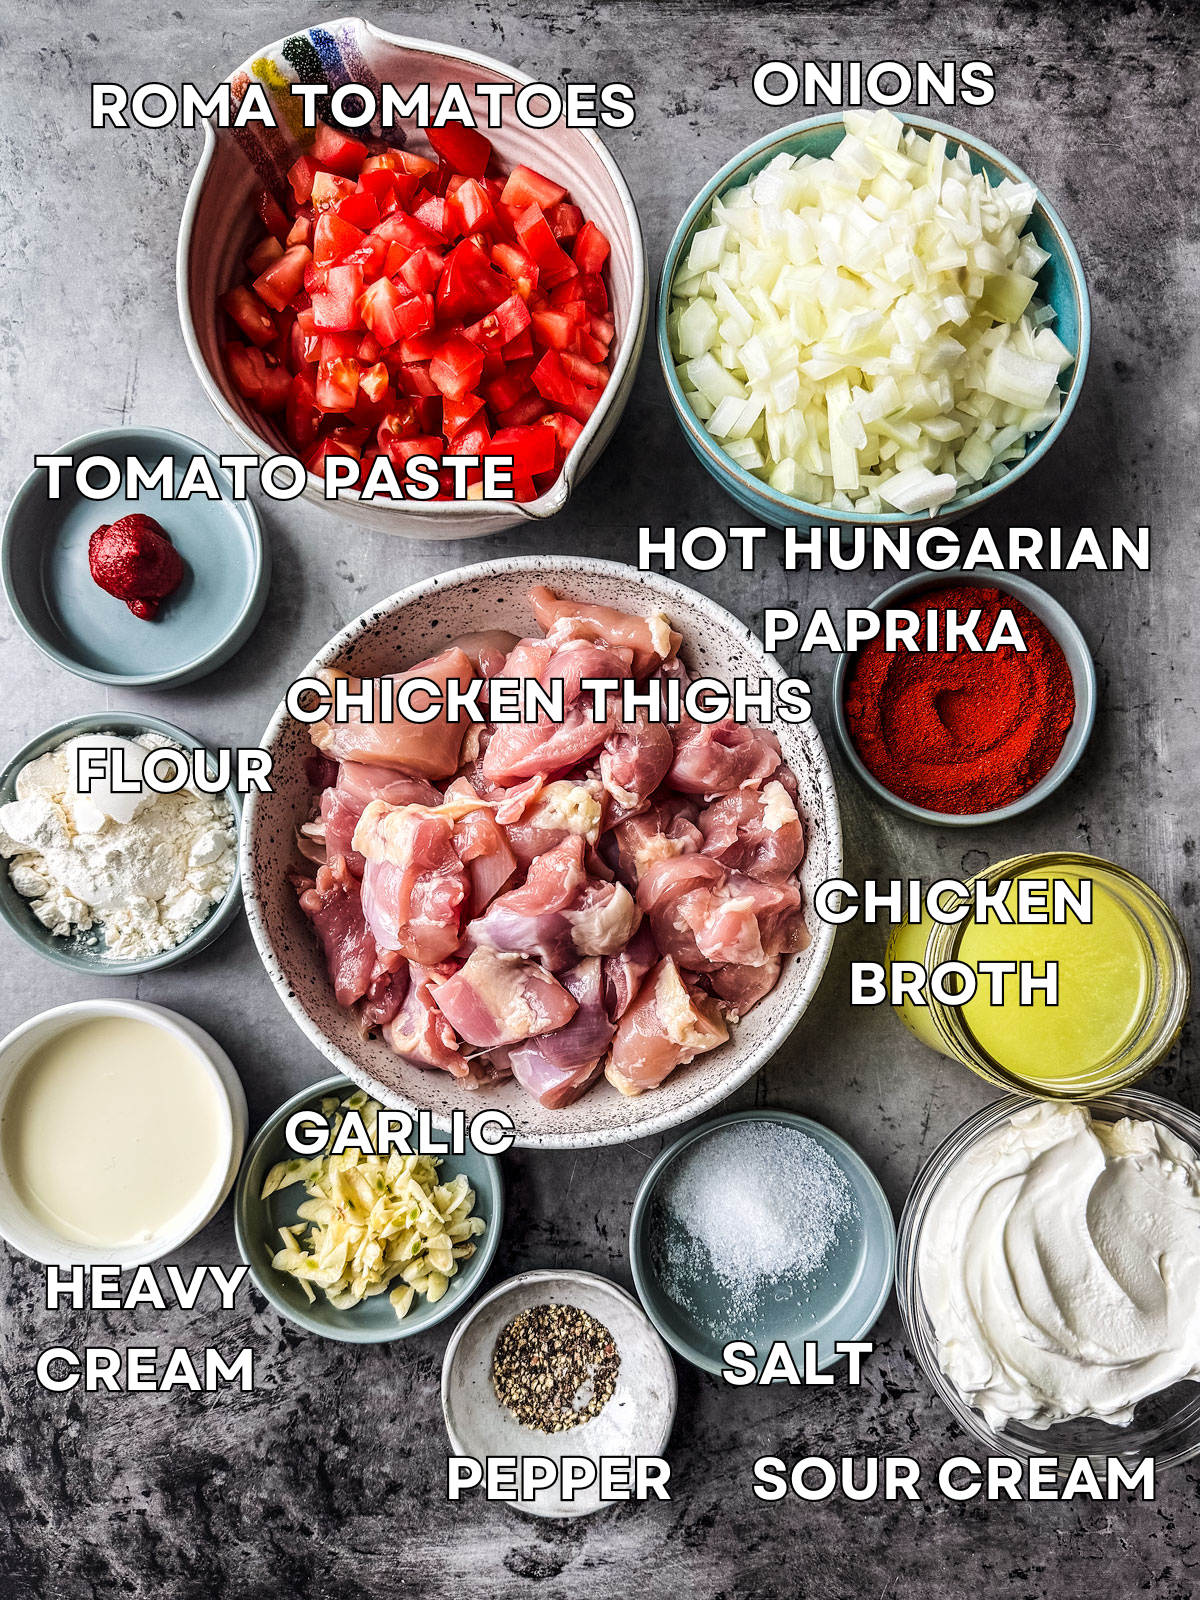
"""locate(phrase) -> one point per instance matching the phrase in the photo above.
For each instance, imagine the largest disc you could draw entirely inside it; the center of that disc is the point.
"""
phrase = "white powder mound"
(147, 882)
(759, 1206)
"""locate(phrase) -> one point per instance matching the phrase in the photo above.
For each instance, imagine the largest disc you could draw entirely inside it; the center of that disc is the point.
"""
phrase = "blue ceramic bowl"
(841, 1300)
(44, 568)
(374, 1321)
(1060, 284)
(84, 953)
(1058, 622)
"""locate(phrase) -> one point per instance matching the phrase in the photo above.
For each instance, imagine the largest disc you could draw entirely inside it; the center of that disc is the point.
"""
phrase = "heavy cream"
(1060, 1265)
(111, 1132)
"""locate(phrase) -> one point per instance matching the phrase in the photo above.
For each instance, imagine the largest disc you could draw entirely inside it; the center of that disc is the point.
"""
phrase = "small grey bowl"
(1083, 678)
(81, 953)
(46, 575)
(636, 1421)
(372, 1321)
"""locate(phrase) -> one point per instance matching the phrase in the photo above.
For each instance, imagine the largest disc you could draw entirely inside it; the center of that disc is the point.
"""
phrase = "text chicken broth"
(552, 900)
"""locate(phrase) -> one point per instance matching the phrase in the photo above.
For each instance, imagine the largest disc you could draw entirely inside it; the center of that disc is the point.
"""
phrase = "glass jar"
(1124, 984)
(1165, 1425)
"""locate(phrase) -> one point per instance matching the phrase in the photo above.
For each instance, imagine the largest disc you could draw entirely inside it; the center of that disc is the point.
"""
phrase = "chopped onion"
(863, 330)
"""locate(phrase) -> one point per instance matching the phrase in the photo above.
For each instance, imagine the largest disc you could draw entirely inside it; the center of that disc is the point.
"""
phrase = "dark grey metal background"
(328, 1480)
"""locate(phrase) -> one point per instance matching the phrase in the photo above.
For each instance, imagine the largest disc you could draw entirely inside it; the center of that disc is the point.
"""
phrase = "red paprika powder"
(962, 731)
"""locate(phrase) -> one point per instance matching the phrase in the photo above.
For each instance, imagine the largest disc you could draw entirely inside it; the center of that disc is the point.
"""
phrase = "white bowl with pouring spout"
(220, 223)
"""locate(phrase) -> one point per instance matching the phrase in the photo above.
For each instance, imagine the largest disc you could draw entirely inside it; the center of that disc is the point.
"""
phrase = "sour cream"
(1060, 1266)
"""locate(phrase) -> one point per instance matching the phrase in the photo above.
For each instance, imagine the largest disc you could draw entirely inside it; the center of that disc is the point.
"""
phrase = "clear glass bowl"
(1165, 1425)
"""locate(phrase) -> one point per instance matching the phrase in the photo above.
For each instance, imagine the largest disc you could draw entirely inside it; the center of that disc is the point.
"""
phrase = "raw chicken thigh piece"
(755, 831)
(549, 814)
(414, 882)
(668, 1024)
(650, 639)
(333, 905)
(623, 973)
(713, 758)
(425, 749)
(635, 759)
(497, 999)
(519, 750)
(419, 1033)
(557, 1067)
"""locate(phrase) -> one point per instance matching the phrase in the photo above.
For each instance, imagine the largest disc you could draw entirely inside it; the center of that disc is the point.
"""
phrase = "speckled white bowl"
(635, 1422)
(219, 221)
(407, 628)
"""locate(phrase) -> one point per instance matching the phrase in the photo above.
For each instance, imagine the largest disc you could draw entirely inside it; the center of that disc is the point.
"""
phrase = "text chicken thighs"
(551, 901)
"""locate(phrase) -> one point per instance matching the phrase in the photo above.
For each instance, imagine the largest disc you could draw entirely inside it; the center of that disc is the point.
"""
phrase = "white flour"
(145, 882)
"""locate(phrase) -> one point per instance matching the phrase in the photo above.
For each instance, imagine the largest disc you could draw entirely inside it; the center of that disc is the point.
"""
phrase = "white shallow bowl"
(407, 628)
(220, 222)
(26, 1232)
(635, 1422)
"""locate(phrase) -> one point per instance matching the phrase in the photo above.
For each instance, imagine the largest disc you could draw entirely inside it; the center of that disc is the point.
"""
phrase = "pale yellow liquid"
(1104, 981)
(111, 1131)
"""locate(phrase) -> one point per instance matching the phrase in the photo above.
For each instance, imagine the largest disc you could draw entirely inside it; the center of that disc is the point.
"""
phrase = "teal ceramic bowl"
(44, 568)
(84, 953)
(1057, 621)
(257, 1223)
(840, 1300)
(1060, 284)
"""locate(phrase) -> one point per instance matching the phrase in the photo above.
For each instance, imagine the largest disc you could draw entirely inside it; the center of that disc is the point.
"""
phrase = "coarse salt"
(758, 1205)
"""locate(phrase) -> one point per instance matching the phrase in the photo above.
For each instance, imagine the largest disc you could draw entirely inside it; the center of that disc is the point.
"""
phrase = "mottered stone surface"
(328, 1479)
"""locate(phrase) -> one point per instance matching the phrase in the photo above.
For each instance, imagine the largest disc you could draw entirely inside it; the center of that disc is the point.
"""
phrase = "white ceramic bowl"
(26, 1232)
(219, 223)
(407, 628)
(635, 1422)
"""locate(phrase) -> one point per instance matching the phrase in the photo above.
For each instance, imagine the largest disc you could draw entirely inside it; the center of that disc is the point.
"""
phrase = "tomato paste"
(134, 560)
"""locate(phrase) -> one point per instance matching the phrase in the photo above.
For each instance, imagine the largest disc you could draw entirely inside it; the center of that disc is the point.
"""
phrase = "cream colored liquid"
(110, 1131)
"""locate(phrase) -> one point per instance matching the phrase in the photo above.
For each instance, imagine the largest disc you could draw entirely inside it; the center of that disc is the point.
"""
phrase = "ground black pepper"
(554, 1367)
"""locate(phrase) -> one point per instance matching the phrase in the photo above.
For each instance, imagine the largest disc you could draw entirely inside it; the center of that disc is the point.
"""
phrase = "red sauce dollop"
(134, 560)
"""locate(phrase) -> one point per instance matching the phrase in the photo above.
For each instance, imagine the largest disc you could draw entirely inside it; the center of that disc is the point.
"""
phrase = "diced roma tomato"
(565, 429)
(273, 214)
(533, 231)
(283, 279)
(500, 326)
(525, 187)
(337, 385)
(266, 387)
(333, 239)
(422, 272)
(553, 382)
(374, 382)
(532, 449)
(410, 305)
(377, 308)
(338, 151)
(527, 409)
(521, 346)
(328, 189)
(565, 221)
(553, 330)
(301, 175)
(359, 209)
(584, 371)
(469, 286)
(457, 413)
(264, 252)
(519, 266)
(335, 308)
(591, 249)
(251, 316)
(463, 149)
(457, 367)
